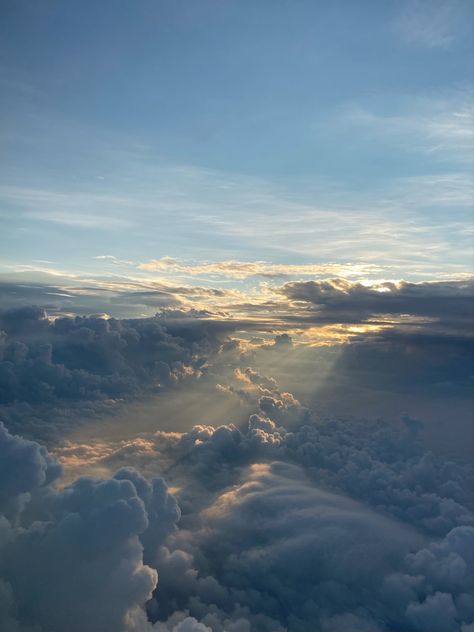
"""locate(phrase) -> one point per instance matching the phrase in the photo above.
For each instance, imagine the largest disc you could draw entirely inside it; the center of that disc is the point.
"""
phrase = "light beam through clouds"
(236, 316)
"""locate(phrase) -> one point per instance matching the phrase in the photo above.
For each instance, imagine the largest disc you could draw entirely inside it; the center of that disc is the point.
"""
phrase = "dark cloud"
(341, 523)
(119, 297)
(304, 553)
(288, 523)
(414, 360)
(339, 301)
(25, 466)
(278, 550)
(334, 523)
(73, 561)
(84, 361)
(283, 340)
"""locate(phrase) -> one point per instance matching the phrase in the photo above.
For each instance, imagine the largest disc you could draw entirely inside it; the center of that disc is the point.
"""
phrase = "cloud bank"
(329, 526)
(286, 523)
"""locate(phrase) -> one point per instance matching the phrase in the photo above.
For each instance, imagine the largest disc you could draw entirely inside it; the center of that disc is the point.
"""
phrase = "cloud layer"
(86, 362)
(325, 525)
(284, 523)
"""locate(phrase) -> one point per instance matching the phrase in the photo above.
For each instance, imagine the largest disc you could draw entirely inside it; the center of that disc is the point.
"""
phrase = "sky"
(310, 133)
(236, 316)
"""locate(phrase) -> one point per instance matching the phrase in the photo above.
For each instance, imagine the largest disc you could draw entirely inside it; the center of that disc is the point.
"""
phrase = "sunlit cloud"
(247, 269)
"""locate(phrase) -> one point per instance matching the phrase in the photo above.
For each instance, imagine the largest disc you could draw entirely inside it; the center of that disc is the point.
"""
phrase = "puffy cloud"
(436, 614)
(72, 559)
(285, 524)
(287, 553)
(268, 539)
(386, 466)
(162, 510)
(282, 340)
(340, 301)
(284, 409)
(83, 362)
(382, 464)
(439, 583)
(83, 568)
(254, 377)
(25, 466)
(191, 625)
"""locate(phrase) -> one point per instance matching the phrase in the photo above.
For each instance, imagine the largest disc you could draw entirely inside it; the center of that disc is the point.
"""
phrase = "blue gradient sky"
(289, 132)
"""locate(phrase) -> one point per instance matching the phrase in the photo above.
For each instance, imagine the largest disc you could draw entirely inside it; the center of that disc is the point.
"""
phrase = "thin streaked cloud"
(247, 269)
(430, 23)
(439, 127)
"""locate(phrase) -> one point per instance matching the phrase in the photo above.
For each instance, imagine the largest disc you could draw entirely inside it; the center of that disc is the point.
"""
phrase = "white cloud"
(438, 127)
(431, 23)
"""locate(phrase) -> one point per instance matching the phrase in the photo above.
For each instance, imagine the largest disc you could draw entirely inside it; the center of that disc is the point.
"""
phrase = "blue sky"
(286, 132)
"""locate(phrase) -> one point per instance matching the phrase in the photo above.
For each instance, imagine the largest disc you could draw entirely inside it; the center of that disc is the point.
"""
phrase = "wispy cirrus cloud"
(431, 23)
(439, 127)
(364, 227)
(394, 220)
(70, 208)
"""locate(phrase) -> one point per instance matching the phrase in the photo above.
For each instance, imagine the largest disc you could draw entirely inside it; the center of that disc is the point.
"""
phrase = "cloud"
(341, 301)
(410, 335)
(439, 129)
(299, 546)
(71, 560)
(53, 371)
(291, 569)
(432, 23)
(338, 523)
(84, 362)
(248, 269)
(436, 585)
(71, 209)
(121, 297)
(25, 466)
(162, 511)
(236, 207)
(285, 506)
(286, 523)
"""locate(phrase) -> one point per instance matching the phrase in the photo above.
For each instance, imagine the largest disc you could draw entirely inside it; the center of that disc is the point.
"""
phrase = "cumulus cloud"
(338, 523)
(71, 559)
(333, 523)
(279, 550)
(286, 523)
(25, 466)
(85, 361)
